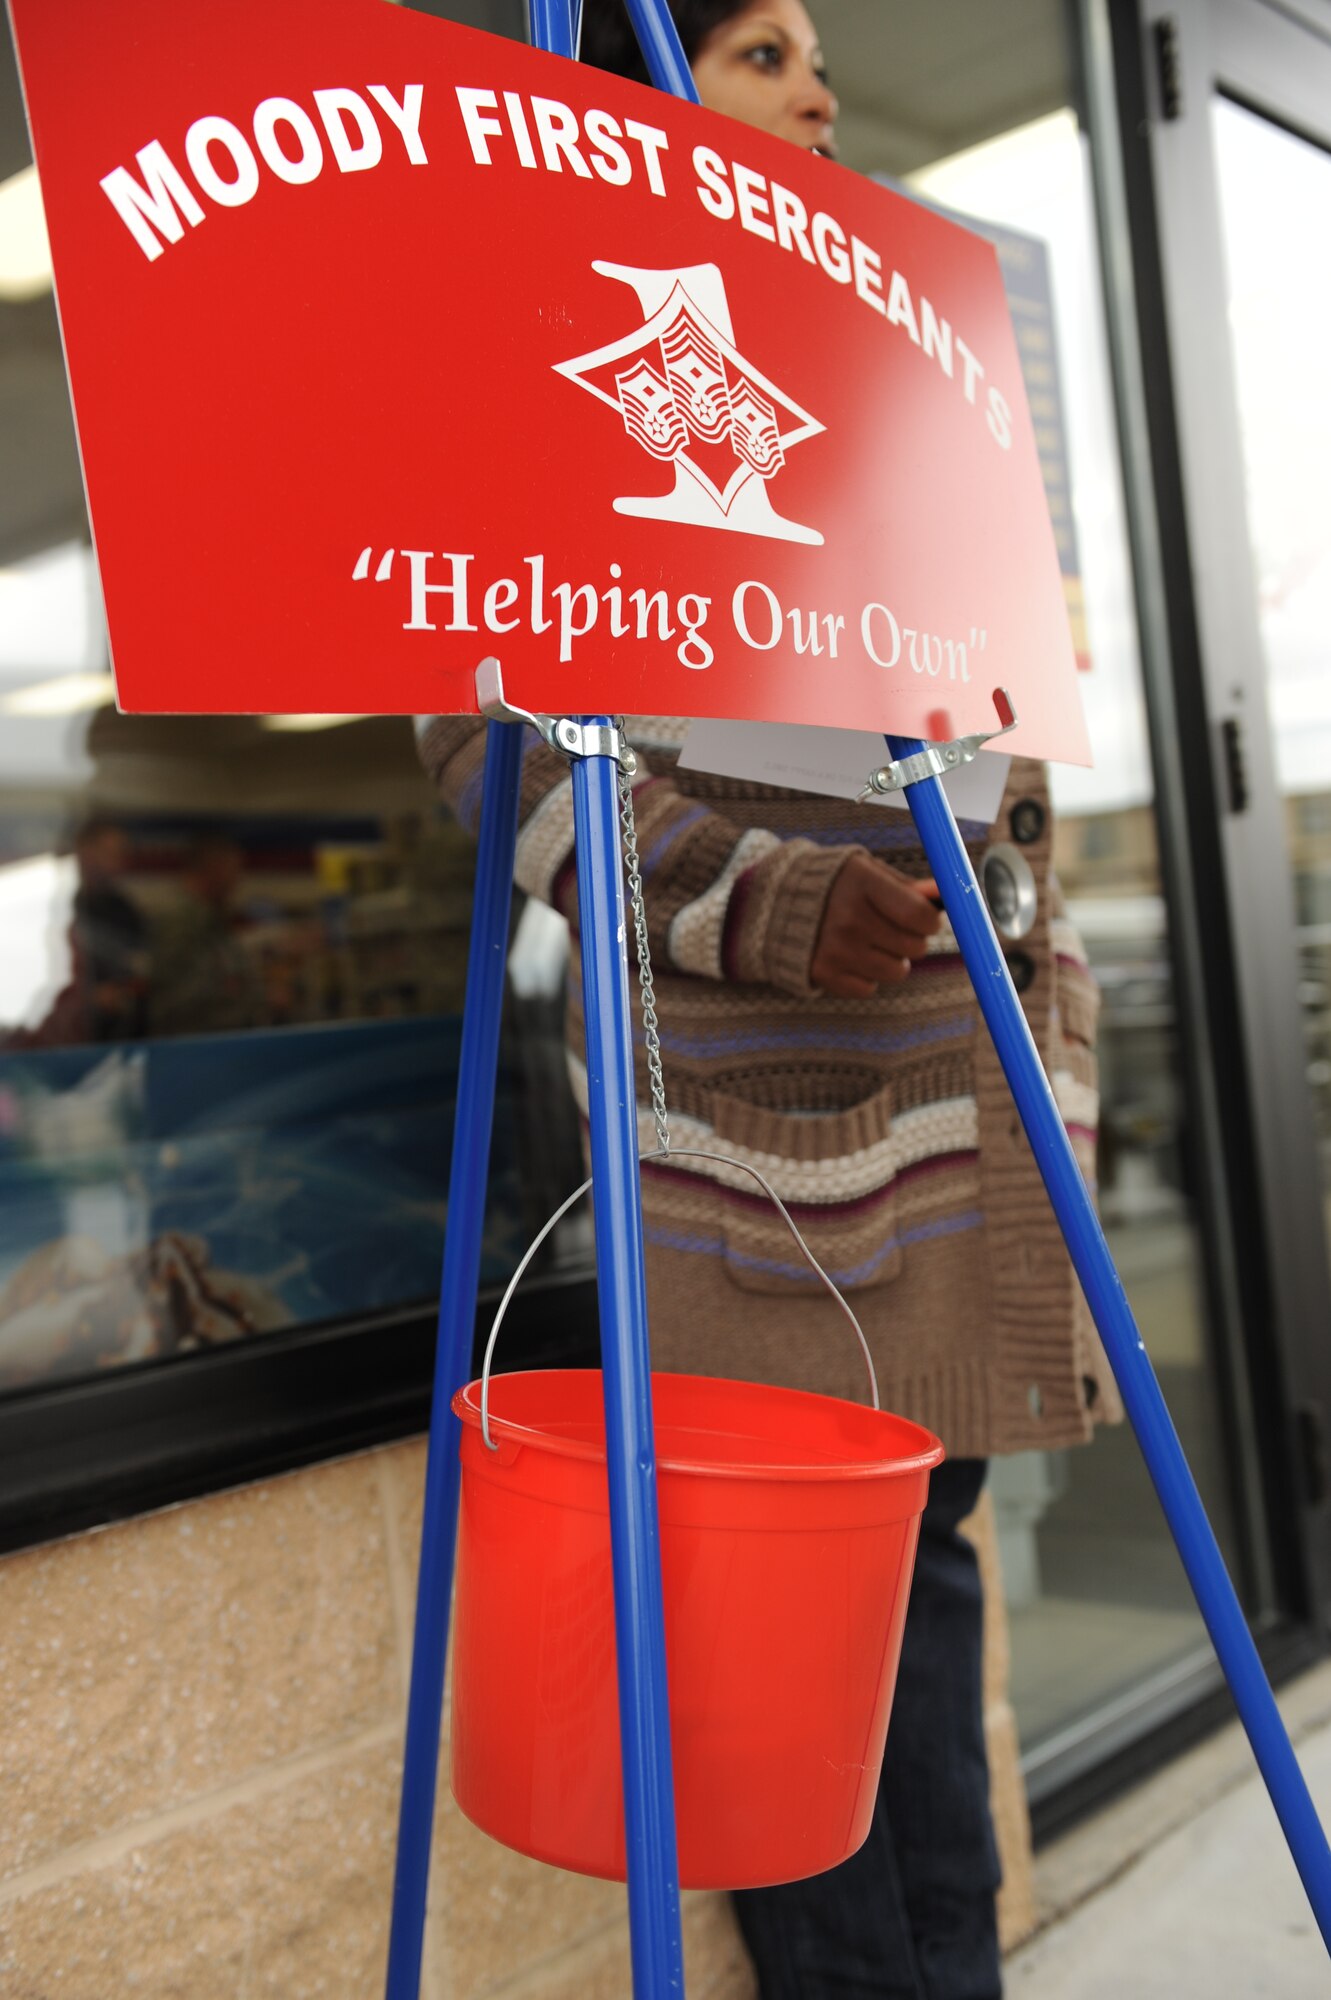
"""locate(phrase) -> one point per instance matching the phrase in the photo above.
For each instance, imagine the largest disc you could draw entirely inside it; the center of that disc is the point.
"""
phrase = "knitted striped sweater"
(884, 1124)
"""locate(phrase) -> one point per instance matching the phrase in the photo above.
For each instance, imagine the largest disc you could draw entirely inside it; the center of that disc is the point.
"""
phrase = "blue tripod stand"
(653, 1874)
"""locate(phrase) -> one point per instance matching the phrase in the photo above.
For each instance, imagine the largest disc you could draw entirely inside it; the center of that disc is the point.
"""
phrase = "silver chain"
(628, 765)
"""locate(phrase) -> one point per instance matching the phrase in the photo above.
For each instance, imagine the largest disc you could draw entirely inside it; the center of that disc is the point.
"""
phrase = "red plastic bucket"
(788, 1532)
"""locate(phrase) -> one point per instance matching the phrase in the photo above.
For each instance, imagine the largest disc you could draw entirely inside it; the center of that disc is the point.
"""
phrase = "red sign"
(394, 345)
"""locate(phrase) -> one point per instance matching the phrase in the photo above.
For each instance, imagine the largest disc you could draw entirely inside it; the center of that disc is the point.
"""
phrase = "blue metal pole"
(472, 1124)
(656, 1943)
(1100, 1281)
(649, 1809)
(551, 26)
(658, 38)
(644, 1717)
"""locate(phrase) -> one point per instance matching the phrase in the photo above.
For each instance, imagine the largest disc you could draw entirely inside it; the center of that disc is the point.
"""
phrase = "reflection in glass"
(1098, 1602)
(232, 960)
(1275, 194)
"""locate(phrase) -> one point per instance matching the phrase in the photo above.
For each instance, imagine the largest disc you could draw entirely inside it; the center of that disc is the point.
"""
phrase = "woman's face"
(764, 67)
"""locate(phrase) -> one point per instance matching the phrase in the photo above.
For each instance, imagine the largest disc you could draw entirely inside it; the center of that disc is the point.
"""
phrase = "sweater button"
(1027, 819)
(1022, 968)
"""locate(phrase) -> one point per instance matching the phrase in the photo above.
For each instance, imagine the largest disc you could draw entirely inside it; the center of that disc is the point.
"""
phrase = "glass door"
(1103, 1629)
(1275, 193)
(986, 121)
(1241, 157)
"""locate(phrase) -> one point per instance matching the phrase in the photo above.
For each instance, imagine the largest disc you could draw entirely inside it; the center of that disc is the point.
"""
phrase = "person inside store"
(203, 981)
(815, 1011)
(112, 935)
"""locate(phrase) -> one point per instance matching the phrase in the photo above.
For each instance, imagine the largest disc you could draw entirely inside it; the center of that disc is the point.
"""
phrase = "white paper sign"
(835, 763)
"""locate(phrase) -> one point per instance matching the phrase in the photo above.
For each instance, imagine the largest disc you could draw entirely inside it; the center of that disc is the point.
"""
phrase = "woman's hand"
(875, 923)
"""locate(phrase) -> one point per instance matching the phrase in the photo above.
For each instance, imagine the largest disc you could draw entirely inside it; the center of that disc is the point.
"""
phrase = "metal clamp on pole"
(587, 739)
(568, 735)
(935, 760)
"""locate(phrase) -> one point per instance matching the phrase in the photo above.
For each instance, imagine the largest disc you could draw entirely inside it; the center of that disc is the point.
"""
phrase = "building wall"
(200, 1737)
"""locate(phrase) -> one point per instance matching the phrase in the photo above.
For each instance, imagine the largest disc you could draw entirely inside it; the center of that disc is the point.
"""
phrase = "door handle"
(1236, 763)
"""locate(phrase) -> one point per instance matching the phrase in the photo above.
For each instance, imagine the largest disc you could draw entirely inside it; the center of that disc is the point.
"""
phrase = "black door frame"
(1277, 59)
(1151, 68)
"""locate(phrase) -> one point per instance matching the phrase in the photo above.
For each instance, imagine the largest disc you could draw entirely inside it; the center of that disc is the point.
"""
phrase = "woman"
(759, 64)
(815, 1011)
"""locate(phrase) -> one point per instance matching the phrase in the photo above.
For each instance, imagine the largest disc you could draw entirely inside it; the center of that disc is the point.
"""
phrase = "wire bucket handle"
(673, 1153)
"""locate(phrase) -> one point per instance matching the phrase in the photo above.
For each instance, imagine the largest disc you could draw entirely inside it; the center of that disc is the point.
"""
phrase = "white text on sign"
(538, 134)
(225, 163)
(453, 600)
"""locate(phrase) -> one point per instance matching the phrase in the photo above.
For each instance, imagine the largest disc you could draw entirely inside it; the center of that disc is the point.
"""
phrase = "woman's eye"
(765, 56)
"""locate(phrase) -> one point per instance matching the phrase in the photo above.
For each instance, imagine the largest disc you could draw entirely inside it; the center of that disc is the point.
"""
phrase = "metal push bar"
(653, 1877)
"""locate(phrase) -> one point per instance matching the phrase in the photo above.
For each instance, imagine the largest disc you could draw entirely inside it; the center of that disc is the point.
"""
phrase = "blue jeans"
(911, 1915)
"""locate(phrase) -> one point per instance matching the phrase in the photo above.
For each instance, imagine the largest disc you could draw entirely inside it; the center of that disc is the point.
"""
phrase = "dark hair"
(608, 40)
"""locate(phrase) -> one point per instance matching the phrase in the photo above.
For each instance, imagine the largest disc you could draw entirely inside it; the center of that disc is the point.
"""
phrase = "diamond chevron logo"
(686, 395)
